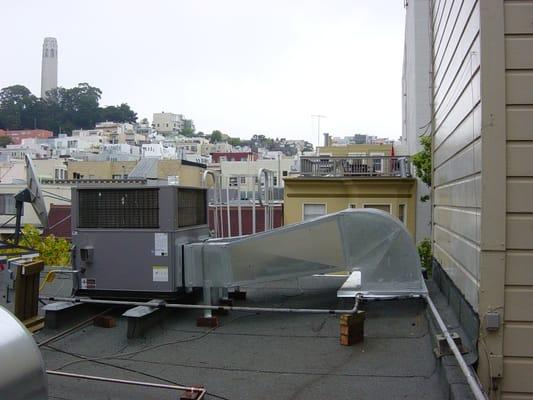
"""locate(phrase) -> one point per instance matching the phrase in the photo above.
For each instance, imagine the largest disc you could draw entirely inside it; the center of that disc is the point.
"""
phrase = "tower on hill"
(49, 66)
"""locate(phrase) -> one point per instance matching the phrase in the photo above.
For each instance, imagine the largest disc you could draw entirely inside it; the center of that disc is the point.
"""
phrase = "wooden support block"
(352, 328)
(190, 394)
(34, 324)
(207, 322)
(105, 321)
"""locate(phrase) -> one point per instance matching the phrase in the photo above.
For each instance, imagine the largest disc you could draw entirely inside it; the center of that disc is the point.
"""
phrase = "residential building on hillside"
(236, 156)
(167, 123)
(243, 174)
(17, 135)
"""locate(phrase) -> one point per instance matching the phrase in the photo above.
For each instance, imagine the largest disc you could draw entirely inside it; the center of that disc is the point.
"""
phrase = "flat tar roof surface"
(258, 356)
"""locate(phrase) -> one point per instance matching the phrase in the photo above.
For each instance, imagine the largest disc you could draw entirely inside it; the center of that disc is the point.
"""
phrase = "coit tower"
(49, 66)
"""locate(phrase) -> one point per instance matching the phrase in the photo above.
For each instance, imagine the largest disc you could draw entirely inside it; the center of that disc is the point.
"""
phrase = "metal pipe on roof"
(471, 377)
(201, 391)
(215, 211)
(208, 307)
(228, 211)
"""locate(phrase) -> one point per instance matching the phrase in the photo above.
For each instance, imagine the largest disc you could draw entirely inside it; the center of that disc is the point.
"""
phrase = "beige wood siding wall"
(518, 327)
(457, 142)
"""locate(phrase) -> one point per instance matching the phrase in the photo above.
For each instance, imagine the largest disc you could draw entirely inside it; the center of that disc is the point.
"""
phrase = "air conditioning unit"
(128, 238)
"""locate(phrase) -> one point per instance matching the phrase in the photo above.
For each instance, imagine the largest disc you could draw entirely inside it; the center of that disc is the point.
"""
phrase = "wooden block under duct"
(352, 328)
(105, 321)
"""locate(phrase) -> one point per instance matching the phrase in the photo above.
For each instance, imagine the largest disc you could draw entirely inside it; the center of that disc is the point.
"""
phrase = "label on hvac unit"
(160, 244)
(159, 273)
(88, 283)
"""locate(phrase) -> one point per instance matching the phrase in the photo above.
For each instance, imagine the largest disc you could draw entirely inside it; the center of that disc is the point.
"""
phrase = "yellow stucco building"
(351, 177)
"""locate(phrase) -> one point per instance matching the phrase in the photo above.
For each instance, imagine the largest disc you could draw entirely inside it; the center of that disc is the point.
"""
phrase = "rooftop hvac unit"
(128, 238)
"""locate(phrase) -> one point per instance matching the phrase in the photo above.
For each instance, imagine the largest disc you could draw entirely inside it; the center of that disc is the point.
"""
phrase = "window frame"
(314, 204)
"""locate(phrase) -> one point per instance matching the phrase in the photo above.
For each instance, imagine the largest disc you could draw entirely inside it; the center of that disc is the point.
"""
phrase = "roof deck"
(257, 356)
(355, 166)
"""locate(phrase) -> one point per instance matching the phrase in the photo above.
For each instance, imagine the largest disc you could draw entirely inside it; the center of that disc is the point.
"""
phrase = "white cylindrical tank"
(22, 372)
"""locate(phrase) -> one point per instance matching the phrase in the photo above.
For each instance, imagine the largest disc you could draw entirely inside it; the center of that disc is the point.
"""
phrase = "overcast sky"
(240, 66)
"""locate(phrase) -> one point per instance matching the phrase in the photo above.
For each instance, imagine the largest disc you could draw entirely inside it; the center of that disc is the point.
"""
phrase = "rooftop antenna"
(31, 194)
(318, 118)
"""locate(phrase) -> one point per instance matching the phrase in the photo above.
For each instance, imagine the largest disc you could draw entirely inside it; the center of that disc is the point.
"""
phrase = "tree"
(188, 128)
(234, 141)
(122, 113)
(4, 141)
(17, 105)
(62, 110)
(52, 250)
(216, 137)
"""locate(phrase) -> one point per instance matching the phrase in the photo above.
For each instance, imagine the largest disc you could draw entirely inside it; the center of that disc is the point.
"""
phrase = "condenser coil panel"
(118, 209)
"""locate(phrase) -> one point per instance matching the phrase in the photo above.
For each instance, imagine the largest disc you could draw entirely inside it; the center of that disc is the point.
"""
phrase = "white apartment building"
(159, 150)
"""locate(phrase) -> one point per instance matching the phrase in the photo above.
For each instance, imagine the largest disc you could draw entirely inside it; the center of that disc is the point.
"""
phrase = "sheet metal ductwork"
(367, 243)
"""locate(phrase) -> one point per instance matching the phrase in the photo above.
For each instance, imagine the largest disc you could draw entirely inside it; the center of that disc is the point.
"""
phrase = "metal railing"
(385, 166)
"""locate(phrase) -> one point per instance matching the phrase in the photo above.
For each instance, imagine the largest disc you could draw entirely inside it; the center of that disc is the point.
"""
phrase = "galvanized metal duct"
(368, 241)
(22, 373)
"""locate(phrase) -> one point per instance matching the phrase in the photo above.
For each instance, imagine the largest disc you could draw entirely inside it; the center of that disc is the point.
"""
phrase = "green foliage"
(188, 128)
(122, 113)
(62, 110)
(424, 251)
(215, 137)
(5, 140)
(234, 141)
(52, 250)
(422, 160)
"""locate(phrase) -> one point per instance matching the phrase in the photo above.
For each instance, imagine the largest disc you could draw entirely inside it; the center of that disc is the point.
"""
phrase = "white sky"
(240, 66)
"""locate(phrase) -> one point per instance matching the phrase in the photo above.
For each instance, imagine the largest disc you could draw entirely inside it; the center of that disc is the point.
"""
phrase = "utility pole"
(318, 118)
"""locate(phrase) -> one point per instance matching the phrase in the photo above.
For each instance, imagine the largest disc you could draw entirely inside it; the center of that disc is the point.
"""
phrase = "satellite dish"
(36, 194)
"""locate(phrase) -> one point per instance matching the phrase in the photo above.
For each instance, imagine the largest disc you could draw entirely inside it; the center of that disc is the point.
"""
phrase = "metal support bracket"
(142, 318)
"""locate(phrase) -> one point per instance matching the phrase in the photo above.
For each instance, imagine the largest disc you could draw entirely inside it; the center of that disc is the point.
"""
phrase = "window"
(401, 213)
(352, 205)
(233, 181)
(311, 211)
(382, 207)
(56, 174)
(116, 176)
(243, 180)
(122, 208)
(275, 180)
(7, 204)
(285, 173)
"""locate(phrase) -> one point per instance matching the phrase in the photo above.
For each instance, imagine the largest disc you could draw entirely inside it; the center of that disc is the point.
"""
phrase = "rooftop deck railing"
(375, 166)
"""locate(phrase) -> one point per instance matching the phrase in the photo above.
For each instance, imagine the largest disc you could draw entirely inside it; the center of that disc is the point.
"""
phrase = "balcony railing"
(379, 166)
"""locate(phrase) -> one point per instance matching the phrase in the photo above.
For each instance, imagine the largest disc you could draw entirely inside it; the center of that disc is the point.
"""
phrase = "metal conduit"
(267, 174)
(471, 378)
(352, 310)
(215, 194)
(201, 391)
